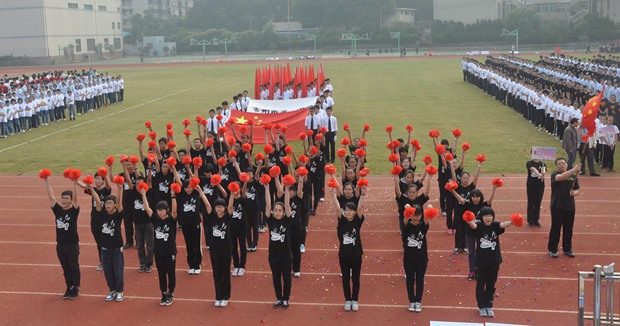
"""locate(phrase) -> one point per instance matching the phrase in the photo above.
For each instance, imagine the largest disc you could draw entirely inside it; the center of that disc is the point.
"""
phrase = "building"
(156, 46)
(608, 9)
(64, 30)
(398, 16)
(468, 11)
(159, 8)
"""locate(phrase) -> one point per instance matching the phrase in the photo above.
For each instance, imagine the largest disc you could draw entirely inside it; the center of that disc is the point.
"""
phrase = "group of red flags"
(268, 76)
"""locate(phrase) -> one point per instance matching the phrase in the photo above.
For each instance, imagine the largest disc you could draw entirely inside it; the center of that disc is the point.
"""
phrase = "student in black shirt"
(296, 196)
(535, 185)
(67, 241)
(165, 249)
(564, 188)
(238, 232)
(411, 197)
(218, 230)
(143, 226)
(350, 222)
(466, 185)
(103, 190)
(252, 211)
(280, 255)
(488, 258)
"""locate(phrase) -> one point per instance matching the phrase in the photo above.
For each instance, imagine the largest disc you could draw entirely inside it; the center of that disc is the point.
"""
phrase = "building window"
(78, 45)
(113, 25)
(73, 5)
(117, 43)
(118, 25)
(102, 8)
(88, 7)
(90, 44)
(105, 41)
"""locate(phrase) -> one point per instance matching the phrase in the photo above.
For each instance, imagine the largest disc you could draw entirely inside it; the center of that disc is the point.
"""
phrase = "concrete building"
(65, 30)
(468, 11)
(399, 16)
(608, 9)
(156, 46)
(159, 8)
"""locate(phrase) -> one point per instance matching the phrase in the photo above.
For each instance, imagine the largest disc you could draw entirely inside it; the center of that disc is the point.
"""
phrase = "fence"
(600, 274)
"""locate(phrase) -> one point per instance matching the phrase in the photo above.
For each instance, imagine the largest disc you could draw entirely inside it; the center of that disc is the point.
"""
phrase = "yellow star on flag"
(594, 103)
(242, 120)
(589, 112)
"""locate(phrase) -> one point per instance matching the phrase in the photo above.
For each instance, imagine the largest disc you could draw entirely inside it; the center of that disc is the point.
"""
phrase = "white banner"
(543, 153)
(279, 106)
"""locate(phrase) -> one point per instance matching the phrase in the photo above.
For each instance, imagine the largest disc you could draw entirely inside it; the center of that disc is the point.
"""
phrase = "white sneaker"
(224, 303)
(197, 271)
(412, 307)
(241, 272)
(322, 199)
(354, 306)
(218, 303)
(297, 275)
(418, 307)
(347, 306)
(302, 248)
(235, 272)
(191, 271)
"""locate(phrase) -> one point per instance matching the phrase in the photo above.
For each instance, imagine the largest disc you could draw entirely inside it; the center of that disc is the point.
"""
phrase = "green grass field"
(428, 94)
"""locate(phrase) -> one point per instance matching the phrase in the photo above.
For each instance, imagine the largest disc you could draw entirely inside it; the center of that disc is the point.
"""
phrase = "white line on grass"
(93, 120)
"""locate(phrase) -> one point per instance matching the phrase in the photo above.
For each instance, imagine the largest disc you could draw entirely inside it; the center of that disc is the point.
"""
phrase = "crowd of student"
(34, 101)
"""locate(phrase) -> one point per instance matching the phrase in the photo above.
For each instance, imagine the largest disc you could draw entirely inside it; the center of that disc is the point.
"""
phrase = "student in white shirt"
(609, 138)
(312, 122)
(71, 105)
(331, 124)
(4, 132)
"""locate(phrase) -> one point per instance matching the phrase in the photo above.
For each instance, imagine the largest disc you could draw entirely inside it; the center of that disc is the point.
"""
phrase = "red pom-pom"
(119, 180)
(148, 124)
(152, 144)
(246, 147)
(265, 179)
(140, 137)
(449, 157)
(260, 156)
(233, 187)
(314, 150)
(45, 173)
(431, 170)
(232, 153)
(303, 136)
(362, 183)
(481, 158)
(346, 127)
(187, 160)
(102, 172)
(186, 123)
(416, 145)
(168, 126)
(288, 150)
(434, 133)
(457, 133)
(440, 149)
(497, 182)
(303, 158)
(309, 132)
(427, 160)
(323, 130)
(89, 180)
(197, 161)
(451, 186)
(169, 132)
(341, 152)
(283, 129)
(243, 129)
(209, 143)
(409, 128)
(585, 138)
(231, 121)
(366, 127)
(219, 117)
(268, 149)
(194, 182)
(364, 172)
(517, 220)
(151, 157)
(153, 135)
(277, 126)
(332, 183)
(134, 159)
(274, 171)
(216, 179)
(244, 177)
(175, 187)
(251, 122)
(221, 161)
(393, 158)
(124, 158)
(288, 180)
(231, 141)
(431, 213)
(222, 130)
(397, 169)
(75, 174)
(198, 118)
(363, 143)
(109, 161)
(171, 161)
(204, 122)
(302, 171)
(389, 129)
(330, 169)
(409, 212)
(267, 126)
(318, 137)
(345, 141)
(187, 132)
(142, 185)
(171, 145)
(287, 160)
(468, 216)
(465, 146)
(360, 152)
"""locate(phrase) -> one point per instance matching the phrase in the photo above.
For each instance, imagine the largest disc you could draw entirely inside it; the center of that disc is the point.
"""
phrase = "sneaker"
(67, 294)
(449, 231)
(128, 245)
(191, 271)
(595, 174)
(490, 313)
(235, 272)
(141, 269)
(482, 312)
(466, 251)
(223, 303)
(169, 299)
(470, 276)
(321, 199)
(162, 302)
(553, 254)
(455, 251)
(149, 268)
(196, 271)
(302, 248)
(418, 307)
(285, 304)
(241, 272)
(99, 267)
(354, 306)
(412, 307)
(75, 293)
(537, 225)
(218, 303)
(569, 254)
(119, 296)
(110, 296)
(277, 304)
(297, 274)
(347, 306)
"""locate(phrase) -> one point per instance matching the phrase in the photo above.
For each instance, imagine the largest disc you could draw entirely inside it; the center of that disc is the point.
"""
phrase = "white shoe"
(197, 271)
(241, 272)
(235, 272)
(322, 199)
(354, 306)
(297, 275)
(347, 306)
(412, 307)
(191, 271)
(224, 303)
(418, 307)
(218, 303)
(302, 248)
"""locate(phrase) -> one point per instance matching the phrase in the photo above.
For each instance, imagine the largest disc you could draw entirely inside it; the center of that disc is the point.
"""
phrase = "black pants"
(351, 269)
(295, 246)
(220, 263)
(535, 192)
(330, 147)
(415, 275)
(450, 203)
(68, 256)
(443, 197)
(166, 266)
(281, 276)
(485, 285)
(561, 219)
(584, 154)
(304, 215)
(460, 241)
(318, 186)
(191, 233)
(252, 235)
(608, 157)
(95, 231)
(239, 250)
(128, 223)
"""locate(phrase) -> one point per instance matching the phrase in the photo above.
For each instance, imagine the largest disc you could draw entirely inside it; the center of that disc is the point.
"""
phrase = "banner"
(293, 120)
(279, 106)
(543, 153)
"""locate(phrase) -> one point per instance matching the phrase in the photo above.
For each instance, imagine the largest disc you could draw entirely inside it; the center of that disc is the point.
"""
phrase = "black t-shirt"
(202, 153)
(279, 236)
(66, 224)
(560, 192)
(403, 200)
(165, 235)
(296, 207)
(102, 193)
(469, 206)
(532, 179)
(182, 171)
(251, 194)
(487, 249)
(465, 193)
(137, 209)
(414, 242)
(349, 237)
(342, 200)
(161, 187)
(217, 229)
(110, 233)
(188, 208)
(237, 213)
(128, 194)
(211, 192)
(229, 174)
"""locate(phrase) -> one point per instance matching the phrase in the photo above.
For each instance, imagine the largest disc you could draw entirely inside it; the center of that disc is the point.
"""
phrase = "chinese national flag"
(590, 113)
(293, 120)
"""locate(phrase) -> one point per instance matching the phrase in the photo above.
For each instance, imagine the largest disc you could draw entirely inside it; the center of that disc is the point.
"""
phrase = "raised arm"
(267, 200)
(477, 174)
(74, 199)
(490, 199)
(147, 207)
(360, 204)
(426, 183)
(205, 201)
(397, 191)
(458, 197)
(93, 193)
(568, 173)
(50, 192)
(287, 202)
(119, 198)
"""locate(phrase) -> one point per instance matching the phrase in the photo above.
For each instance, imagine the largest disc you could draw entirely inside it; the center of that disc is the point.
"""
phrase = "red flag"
(590, 113)
(294, 120)
(257, 84)
(320, 75)
(304, 82)
(272, 81)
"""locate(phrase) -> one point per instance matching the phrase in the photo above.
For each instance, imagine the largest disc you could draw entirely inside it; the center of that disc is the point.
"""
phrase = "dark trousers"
(589, 154)
(351, 269)
(113, 268)
(318, 187)
(485, 285)
(535, 192)
(561, 219)
(295, 247)
(166, 266)
(95, 231)
(191, 233)
(459, 225)
(128, 223)
(252, 235)
(68, 255)
(330, 147)
(450, 202)
(415, 281)
(239, 250)
(220, 263)
(608, 156)
(471, 256)
(304, 215)
(144, 241)
(281, 276)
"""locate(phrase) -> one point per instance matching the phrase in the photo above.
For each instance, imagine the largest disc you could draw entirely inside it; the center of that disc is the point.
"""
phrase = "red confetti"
(302, 171)
(434, 133)
(330, 169)
(265, 179)
(194, 182)
(109, 161)
(427, 160)
(244, 177)
(102, 172)
(389, 129)
(393, 158)
(364, 172)
(431, 170)
(457, 133)
(119, 180)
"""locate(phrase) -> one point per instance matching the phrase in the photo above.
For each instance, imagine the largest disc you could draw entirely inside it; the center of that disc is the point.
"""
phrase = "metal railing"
(600, 274)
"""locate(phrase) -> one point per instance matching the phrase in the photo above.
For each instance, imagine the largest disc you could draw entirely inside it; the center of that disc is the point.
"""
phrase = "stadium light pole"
(514, 33)
(354, 38)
